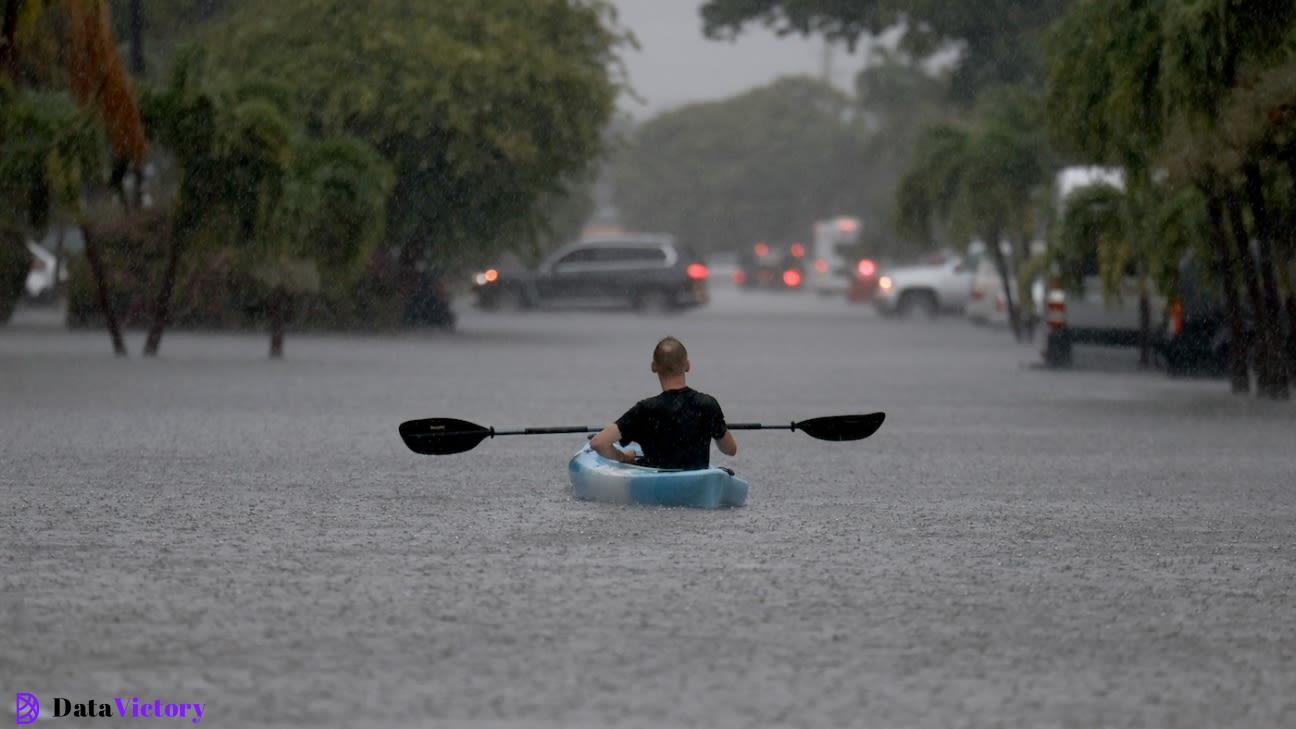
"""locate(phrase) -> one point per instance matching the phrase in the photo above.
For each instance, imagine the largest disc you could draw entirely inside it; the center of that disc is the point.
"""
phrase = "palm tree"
(979, 179)
(102, 88)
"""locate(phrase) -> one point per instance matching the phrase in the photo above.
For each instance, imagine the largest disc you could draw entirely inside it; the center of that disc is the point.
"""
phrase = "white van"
(833, 266)
(1088, 315)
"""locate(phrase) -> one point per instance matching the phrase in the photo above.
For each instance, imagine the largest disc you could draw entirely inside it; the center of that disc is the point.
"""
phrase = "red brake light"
(798, 250)
(697, 271)
(740, 277)
(846, 225)
(792, 278)
(761, 250)
(867, 268)
(821, 266)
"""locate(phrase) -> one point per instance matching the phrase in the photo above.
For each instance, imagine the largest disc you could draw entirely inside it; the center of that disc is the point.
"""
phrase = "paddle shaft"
(586, 429)
(446, 436)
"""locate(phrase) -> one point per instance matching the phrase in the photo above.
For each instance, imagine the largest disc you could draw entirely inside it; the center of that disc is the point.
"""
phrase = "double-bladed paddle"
(445, 436)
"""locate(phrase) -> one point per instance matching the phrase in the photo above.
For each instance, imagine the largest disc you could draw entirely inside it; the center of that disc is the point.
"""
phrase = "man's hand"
(727, 444)
(603, 444)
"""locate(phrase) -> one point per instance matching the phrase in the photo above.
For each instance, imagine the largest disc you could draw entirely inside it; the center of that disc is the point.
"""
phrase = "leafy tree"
(290, 206)
(981, 179)
(481, 110)
(71, 46)
(760, 166)
(49, 151)
(1146, 82)
(1000, 38)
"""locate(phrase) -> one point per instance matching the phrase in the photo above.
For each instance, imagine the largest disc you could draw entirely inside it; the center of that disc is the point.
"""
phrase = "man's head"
(670, 359)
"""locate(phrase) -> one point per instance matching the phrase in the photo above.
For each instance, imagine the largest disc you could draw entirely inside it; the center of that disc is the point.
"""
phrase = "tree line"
(1194, 103)
(300, 143)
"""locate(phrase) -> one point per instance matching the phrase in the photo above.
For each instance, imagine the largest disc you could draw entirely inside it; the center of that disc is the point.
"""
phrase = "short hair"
(669, 357)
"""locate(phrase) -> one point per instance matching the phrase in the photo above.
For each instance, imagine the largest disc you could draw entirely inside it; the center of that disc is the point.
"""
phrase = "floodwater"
(1015, 547)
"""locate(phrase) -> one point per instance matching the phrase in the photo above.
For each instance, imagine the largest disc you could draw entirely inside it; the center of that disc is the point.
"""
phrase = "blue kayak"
(595, 478)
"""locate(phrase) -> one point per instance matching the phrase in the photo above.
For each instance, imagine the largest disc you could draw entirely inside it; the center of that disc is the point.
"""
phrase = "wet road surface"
(1016, 547)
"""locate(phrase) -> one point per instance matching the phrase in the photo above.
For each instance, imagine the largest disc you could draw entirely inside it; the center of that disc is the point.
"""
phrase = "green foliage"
(48, 151)
(481, 109)
(1104, 93)
(1000, 38)
(290, 204)
(1090, 229)
(761, 166)
(979, 178)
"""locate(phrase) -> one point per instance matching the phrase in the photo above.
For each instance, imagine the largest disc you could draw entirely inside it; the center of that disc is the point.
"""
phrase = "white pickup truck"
(927, 289)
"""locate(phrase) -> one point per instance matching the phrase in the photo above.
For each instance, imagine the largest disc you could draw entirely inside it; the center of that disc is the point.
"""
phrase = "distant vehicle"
(1194, 336)
(927, 289)
(772, 267)
(644, 271)
(986, 302)
(864, 283)
(723, 266)
(40, 278)
(834, 253)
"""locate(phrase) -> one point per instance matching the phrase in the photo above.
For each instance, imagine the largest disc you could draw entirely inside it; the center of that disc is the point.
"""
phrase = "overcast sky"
(676, 65)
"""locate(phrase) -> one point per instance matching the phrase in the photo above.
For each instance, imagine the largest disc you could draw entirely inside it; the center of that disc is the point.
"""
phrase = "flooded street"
(1015, 547)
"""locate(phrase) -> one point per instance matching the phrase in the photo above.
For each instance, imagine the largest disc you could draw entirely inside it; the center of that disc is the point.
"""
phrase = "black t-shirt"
(674, 428)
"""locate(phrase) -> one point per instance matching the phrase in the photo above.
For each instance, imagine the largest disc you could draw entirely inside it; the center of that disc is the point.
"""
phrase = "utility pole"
(826, 63)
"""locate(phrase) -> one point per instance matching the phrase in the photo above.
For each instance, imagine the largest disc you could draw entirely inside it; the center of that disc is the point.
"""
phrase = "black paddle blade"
(442, 436)
(842, 427)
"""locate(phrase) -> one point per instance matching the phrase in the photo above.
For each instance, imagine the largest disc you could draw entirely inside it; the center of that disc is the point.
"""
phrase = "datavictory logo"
(28, 709)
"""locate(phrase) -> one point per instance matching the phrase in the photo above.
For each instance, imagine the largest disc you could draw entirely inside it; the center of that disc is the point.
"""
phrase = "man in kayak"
(675, 428)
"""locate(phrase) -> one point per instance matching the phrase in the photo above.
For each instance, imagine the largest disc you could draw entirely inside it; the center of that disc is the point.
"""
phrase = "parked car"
(40, 278)
(772, 267)
(1090, 316)
(643, 271)
(987, 303)
(928, 289)
(1194, 337)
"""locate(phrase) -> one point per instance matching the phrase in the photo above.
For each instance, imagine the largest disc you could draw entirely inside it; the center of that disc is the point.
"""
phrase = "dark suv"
(647, 272)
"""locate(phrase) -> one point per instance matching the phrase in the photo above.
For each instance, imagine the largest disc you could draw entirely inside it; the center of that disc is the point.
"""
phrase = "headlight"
(886, 284)
(479, 279)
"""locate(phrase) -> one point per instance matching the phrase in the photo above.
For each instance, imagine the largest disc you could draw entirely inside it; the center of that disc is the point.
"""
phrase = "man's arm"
(603, 444)
(727, 444)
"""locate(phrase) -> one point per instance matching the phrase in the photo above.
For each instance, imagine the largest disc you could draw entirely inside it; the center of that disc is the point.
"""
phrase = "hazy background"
(676, 65)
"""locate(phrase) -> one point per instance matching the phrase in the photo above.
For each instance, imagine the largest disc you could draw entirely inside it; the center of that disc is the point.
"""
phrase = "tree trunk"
(59, 239)
(137, 38)
(1014, 319)
(278, 306)
(1145, 326)
(1027, 304)
(1226, 271)
(1277, 386)
(101, 288)
(1284, 279)
(1260, 340)
(162, 306)
(8, 35)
